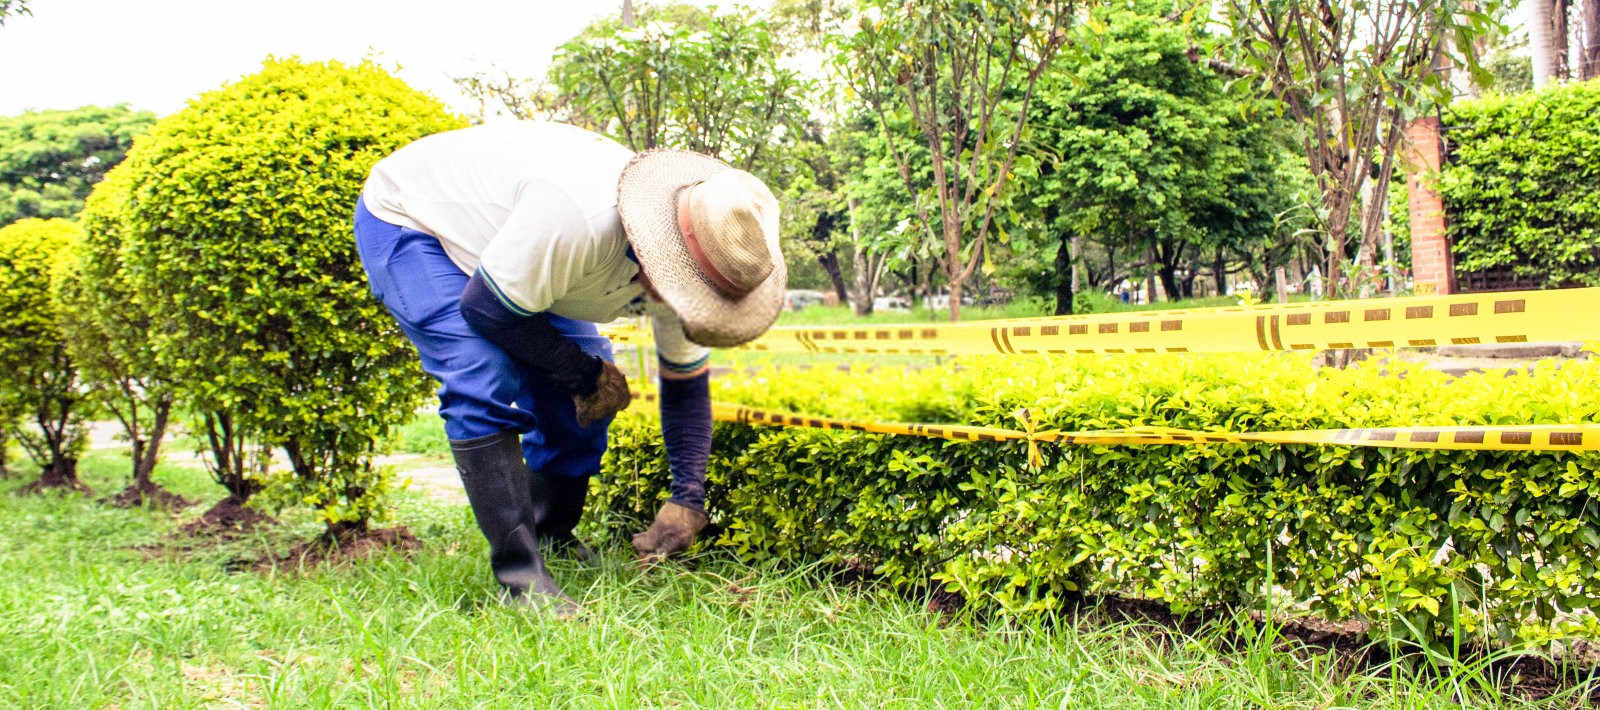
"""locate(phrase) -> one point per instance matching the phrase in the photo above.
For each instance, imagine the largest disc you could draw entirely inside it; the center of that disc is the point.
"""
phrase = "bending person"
(498, 247)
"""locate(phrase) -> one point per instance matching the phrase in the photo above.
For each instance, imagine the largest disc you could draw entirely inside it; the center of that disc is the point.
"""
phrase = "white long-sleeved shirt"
(533, 206)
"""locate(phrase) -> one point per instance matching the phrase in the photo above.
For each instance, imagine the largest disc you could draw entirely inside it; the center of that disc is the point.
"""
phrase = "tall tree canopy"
(1146, 152)
(49, 160)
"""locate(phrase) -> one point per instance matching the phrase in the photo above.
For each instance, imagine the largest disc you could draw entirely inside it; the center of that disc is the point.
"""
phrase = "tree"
(1148, 153)
(49, 160)
(107, 325)
(711, 84)
(1350, 74)
(965, 72)
(1547, 47)
(37, 375)
(13, 8)
(237, 228)
(1589, 55)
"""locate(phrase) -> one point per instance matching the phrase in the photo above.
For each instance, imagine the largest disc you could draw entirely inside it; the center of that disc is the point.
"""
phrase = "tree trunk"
(830, 263)
(925, 284)
(952, 247)
(1065, 274)
(1111, 267)
(145, 457)
(1219, 271)
(1167, 261)
(1559, 11)
(1150, 276)
(1169, 283)
(1589, 57)
(1542, 38)
(5, 443)
(229, 464)
(1072, 254)
(867, 269)
(62, 472)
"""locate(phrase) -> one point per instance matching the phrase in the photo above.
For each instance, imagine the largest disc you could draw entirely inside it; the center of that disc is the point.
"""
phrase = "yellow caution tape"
(1531, 437)
(1424, 321)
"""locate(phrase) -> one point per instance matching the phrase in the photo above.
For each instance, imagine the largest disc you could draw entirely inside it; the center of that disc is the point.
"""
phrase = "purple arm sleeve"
(686, 427)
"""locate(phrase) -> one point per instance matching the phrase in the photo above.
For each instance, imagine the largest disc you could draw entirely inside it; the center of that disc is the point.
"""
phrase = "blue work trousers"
(482, 390)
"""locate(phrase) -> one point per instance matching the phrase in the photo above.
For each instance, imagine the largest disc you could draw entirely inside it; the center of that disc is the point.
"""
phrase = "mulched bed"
(229, 518)
(55, 484)
(348, 546)
(149, 495)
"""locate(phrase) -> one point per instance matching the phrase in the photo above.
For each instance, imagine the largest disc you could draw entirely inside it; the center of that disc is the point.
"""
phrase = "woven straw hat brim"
(647, 200)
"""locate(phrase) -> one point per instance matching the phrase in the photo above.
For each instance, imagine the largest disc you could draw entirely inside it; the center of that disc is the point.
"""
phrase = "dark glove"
(673, 531)
(610, 396)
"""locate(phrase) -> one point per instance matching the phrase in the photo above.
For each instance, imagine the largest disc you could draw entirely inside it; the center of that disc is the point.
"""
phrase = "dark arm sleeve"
(530, 340)
(686, 427)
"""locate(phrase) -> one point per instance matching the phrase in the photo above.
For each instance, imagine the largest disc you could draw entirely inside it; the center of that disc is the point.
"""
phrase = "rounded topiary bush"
(238, 237)
(107, 327)
(37, 378)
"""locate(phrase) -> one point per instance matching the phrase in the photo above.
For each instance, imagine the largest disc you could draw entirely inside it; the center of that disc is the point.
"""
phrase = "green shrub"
(1491, 543)
(107, 326)
(238, 229)
(1520, 185)
(37, 377)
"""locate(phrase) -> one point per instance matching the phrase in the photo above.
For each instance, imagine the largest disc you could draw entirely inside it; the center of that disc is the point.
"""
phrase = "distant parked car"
(891, 303)
(796, 299)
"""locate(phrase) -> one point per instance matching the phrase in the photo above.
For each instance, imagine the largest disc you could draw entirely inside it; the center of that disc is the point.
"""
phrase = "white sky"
(155, 54)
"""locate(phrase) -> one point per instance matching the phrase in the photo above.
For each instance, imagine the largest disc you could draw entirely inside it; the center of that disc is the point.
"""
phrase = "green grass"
(87, 621)
(423, 435)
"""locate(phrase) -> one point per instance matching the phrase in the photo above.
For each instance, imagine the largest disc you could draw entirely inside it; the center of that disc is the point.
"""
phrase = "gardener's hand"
(610, 396)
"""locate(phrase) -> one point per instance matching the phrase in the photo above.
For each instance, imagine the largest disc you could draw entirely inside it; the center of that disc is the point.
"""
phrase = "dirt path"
(435, 477)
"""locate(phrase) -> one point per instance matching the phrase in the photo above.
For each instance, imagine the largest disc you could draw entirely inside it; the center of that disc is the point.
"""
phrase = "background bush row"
(1491, 545)
(1519, 185)
(219, 277)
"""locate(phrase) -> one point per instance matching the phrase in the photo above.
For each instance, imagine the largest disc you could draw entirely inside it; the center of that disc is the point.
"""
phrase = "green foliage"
(1494, 544)
(107, 325)
(1519, 185)
(709, 83)
(1144, 149)
(237, 228)
(13, 8)
(961, 75)
(49, 160)
(186, 632)
(37, 377)
(1512, 73)
(1350, 75)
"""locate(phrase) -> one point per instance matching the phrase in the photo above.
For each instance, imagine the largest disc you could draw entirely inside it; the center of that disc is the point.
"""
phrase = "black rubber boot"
(567, 496)
(508, 501)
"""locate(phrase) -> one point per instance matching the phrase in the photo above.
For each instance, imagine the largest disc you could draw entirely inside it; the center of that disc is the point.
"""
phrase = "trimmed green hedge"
(1522, 184)
(1509, 540)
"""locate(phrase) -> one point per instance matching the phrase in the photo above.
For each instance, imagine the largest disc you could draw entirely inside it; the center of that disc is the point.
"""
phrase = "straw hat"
(706, 235)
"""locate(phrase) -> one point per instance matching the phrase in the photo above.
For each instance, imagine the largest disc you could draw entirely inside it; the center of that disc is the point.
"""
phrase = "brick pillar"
(1433, 268)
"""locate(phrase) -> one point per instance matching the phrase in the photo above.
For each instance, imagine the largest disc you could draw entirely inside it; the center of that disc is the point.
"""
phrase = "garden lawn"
(101, 607)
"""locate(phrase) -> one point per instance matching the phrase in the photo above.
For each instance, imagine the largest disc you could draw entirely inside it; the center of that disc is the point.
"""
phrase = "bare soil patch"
(229, 518)
(151, 495)
(347, 546)
(57, 484)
